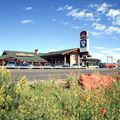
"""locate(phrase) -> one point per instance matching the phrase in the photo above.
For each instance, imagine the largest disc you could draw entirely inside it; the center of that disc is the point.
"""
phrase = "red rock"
(94, 81)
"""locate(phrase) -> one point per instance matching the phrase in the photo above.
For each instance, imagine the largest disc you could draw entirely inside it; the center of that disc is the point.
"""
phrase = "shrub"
(16, 101)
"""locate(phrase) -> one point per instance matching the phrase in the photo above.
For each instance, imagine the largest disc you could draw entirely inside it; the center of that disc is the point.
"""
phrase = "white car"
(11, 64)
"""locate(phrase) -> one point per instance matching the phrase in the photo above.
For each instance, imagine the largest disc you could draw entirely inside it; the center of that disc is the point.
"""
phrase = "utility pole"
(111, 59)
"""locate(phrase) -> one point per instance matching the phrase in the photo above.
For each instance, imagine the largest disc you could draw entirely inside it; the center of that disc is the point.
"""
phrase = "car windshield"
(11, 63)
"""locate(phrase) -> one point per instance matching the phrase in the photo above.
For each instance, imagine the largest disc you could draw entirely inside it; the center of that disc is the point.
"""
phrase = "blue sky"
(51, 25)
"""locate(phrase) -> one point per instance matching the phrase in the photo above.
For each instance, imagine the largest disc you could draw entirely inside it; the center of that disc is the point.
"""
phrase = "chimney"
(36, 51)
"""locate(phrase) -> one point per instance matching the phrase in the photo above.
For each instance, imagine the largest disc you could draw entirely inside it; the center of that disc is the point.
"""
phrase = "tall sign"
(84, 42)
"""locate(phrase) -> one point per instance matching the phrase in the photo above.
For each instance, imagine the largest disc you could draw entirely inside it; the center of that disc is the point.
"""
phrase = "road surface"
(45, 74)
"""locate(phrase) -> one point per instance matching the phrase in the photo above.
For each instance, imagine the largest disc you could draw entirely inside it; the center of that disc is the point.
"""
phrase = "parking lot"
(45, 74)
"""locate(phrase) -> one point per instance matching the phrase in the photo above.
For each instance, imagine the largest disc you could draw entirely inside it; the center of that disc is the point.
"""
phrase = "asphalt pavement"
(48, 74)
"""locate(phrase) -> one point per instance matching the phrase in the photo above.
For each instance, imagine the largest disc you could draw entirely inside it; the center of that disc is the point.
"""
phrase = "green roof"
(20, 55)
(62, 52)
(13, 53)
(4, 56)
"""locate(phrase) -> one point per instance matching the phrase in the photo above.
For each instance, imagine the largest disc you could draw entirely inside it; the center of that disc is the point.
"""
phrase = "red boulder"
(94, 81)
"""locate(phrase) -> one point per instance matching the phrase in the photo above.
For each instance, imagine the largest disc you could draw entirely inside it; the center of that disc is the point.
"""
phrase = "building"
(20, 56)
(69, 56)
(78, 56)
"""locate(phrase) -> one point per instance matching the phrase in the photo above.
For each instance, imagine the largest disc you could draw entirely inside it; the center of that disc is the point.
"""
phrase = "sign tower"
(84, 42)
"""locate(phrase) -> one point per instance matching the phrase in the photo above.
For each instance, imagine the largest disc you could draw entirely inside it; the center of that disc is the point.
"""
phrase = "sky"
(51, 25)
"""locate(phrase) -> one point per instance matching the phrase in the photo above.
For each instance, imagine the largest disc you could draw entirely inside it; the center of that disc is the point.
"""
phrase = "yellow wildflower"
(23, 80)
(8, 98)
(3, 71)
(18, 90)
(34, 98)
(2, 90)
(1, 100)
(21, 109)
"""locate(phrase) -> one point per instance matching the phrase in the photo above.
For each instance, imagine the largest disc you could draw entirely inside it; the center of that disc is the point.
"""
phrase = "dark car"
(58, 65)
(102, 65)
(26, 65)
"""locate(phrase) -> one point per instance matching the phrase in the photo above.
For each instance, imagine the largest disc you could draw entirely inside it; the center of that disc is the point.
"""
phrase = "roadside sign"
(84, 42)
(83, 35)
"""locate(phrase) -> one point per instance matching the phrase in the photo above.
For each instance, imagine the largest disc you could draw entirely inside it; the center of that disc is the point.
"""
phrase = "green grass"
(53, 101)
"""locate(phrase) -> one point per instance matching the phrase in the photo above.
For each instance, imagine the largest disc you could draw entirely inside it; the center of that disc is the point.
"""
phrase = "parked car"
(102, 65)
(26, 65)
(48, 65)
(66, 65)
(11, 64)
(58, 65)
(75, 65)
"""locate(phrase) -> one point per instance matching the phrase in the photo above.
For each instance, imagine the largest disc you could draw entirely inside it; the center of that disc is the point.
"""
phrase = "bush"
(51, 101)
(16, 100)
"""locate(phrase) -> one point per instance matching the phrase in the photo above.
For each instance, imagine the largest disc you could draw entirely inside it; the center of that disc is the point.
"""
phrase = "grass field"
(50, 100)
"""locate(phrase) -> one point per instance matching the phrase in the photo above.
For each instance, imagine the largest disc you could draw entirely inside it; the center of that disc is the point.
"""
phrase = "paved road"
(45, 74)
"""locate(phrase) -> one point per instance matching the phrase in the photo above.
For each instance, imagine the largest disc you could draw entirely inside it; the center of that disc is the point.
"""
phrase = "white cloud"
(115, 15)
(100, 7)
(66, 7)
(99, 56)
(112, 29)
(94, 33)
(103, 8)
(103, 29)
(116, 21)
(26, 21)
(116, 49)
(102, 53)
(76, 14)
(28, 8)
(101, 11)
(99, 26)
(59, 9)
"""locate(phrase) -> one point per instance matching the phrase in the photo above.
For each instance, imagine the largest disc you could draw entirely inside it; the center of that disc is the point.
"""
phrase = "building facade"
(69, 56)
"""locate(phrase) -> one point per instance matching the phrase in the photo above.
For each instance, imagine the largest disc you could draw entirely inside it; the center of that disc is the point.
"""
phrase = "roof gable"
(62, 52)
